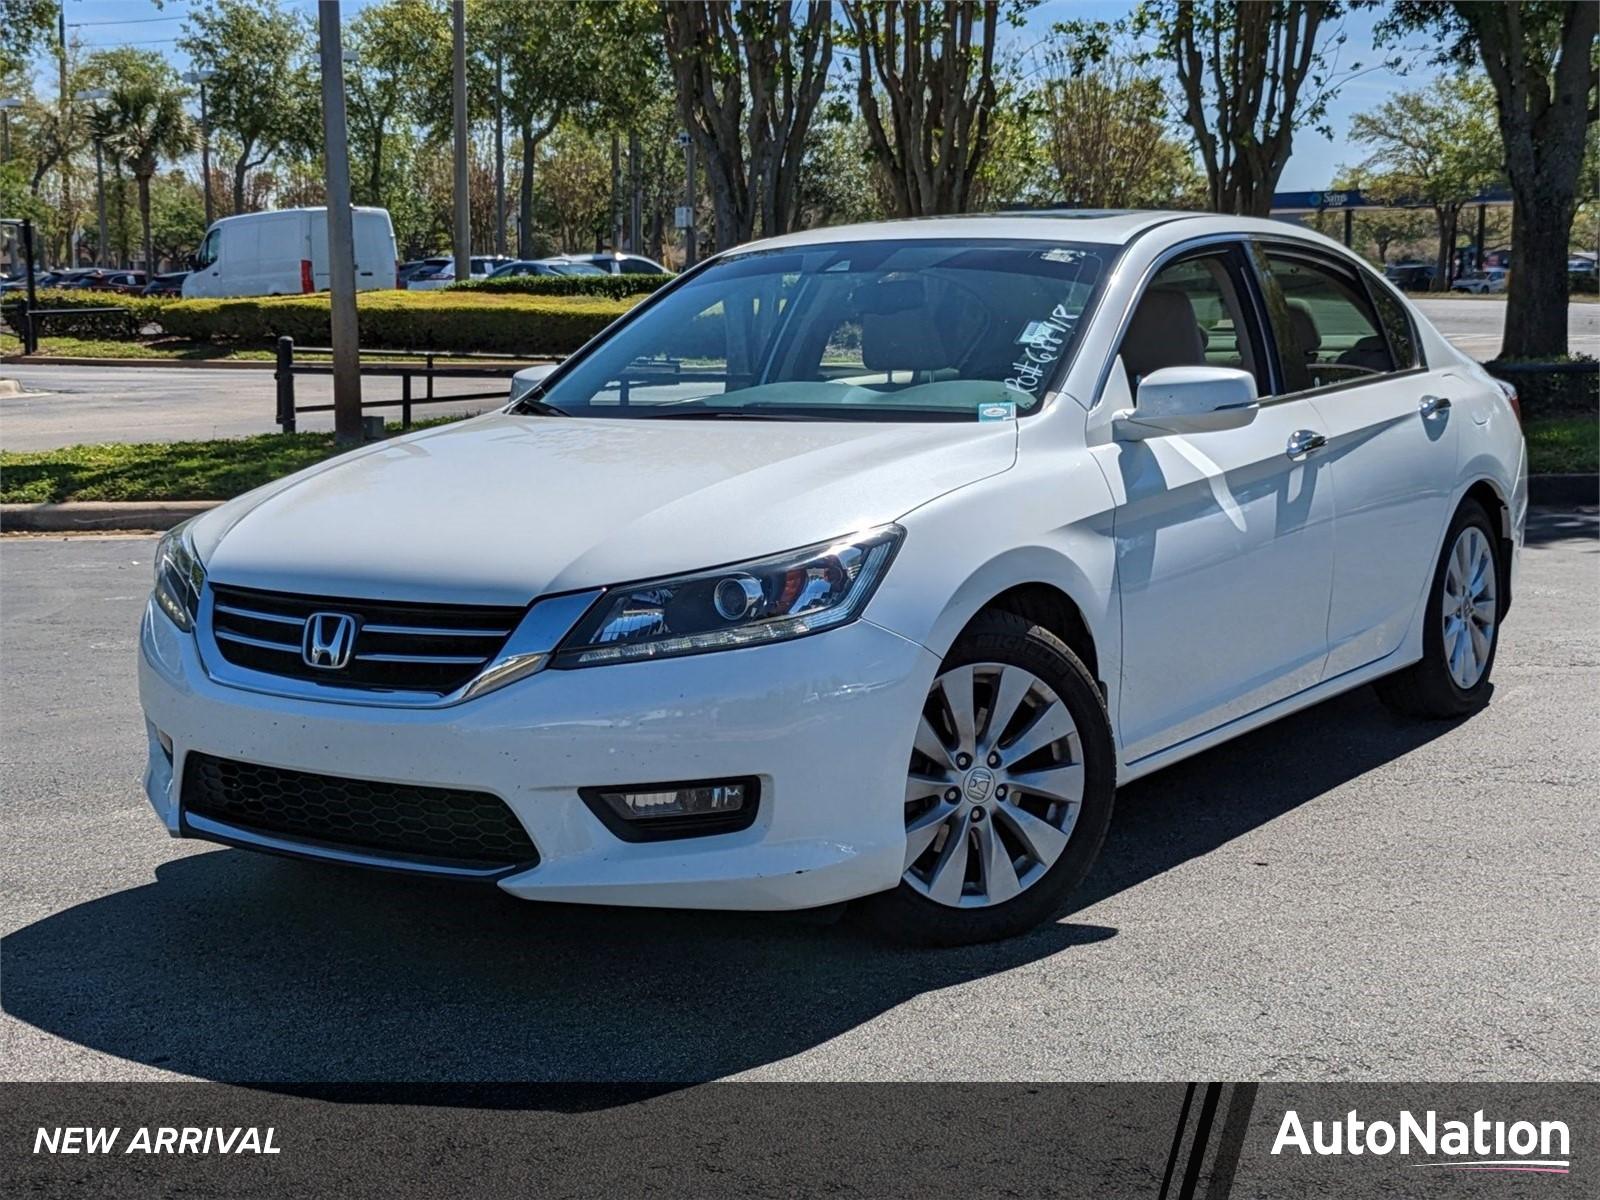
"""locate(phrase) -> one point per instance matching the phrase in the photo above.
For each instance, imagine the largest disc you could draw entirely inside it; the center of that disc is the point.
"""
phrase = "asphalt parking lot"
(1345, 895)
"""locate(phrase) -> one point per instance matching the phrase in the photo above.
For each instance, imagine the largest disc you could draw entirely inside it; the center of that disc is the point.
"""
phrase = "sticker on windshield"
(998, 410)
(1043, 341)
(1062, 256)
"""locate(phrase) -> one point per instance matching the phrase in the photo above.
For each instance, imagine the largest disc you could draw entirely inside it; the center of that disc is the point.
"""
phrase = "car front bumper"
(825, 723)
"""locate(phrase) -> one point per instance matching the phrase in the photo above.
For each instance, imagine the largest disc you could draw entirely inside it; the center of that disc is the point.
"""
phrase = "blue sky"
(142, 23)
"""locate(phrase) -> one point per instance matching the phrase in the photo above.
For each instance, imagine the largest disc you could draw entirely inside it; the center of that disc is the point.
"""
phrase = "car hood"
(504, 508)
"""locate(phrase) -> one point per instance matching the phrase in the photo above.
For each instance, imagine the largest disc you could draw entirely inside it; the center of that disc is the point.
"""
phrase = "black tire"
(904, 914)
(1426, 689)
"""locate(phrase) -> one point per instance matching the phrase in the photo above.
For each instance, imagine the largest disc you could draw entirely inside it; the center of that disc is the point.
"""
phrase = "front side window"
(208, 248)
(893, 330)
(1192, 315)
(1324, 322)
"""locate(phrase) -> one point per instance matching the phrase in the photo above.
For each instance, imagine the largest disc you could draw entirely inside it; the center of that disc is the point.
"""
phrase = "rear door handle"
(1303, 442)
(1432, 406)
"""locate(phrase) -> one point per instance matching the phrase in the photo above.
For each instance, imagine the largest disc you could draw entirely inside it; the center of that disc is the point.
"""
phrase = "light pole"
(462, 249)
(198, 78)
(89, 97)
(341, 240)
(687, 219)
(499, 156)
(5, 126)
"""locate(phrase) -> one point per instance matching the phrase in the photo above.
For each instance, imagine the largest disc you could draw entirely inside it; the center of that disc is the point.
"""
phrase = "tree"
(263, 93)
(402, 49)
(24, 26)
(749, 78)
(1250, 76)
(148, 124)
(1104, 133)
(1539, 56)
(934, 67)
(1436, 146)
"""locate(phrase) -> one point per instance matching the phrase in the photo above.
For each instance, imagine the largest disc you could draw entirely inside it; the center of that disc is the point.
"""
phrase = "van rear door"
(375, 251)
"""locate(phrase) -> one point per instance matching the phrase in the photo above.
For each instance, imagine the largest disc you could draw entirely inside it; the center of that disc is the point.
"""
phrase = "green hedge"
(89, 325)
(1543, 394)
(390, 320)
(617, 287)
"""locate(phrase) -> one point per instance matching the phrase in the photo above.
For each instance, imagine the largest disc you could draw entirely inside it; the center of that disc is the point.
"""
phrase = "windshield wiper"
(528, 406)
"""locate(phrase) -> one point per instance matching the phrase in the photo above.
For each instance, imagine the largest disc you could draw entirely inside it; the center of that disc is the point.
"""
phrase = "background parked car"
(614, 262)
(170, 284)
(1491, 279)
(483, 265)
(1411, 276)
(128, 283)
(407, 271)
(544, 266)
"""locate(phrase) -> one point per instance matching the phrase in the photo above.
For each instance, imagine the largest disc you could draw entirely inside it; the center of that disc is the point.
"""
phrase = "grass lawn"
(1564, 445)
(170, 349)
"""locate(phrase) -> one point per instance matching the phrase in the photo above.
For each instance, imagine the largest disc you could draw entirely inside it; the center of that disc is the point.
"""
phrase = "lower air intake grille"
(433, 824)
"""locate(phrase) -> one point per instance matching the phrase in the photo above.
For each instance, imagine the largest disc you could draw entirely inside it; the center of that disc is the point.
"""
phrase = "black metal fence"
(417, 378)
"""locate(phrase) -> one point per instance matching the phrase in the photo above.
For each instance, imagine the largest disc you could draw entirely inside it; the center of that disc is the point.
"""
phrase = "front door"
(1348, 345)
(1224, 539)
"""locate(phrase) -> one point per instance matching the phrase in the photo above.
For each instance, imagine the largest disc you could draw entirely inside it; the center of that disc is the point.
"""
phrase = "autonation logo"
(1475, 1145)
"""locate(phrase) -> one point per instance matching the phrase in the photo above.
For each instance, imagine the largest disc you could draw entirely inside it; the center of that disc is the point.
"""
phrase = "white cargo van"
(286, 252)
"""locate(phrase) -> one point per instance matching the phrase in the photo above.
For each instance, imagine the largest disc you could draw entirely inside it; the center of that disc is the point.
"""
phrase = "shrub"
(1549, 393)
(89, 325)
(390, 320)
(617, 287)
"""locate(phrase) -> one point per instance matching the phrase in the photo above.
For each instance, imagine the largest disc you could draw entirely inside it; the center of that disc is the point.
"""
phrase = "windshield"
(891, 330)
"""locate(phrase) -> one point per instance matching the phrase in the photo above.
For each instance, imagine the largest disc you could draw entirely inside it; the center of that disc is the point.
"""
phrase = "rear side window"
(1397, 325)
(1324, 322)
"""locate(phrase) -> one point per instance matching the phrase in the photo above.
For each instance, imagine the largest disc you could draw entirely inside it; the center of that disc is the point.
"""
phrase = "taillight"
(1510, 393)
(307, 284)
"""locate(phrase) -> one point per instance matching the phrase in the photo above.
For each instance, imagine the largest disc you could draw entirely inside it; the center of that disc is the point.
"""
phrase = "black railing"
(424, 368)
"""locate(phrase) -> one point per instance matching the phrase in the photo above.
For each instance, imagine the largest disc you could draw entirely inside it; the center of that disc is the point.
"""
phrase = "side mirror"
(1189, 400)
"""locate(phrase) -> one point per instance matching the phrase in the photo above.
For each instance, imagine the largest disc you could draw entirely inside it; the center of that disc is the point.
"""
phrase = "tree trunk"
(375, 172)
(1543, 121)
(240, 166)
(1441, 258)
(1537, 288)
(530, 154)
(144, 222)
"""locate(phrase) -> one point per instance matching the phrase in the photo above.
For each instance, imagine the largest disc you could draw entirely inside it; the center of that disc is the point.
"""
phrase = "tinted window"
(1396, 324)
(1191, 315)
(871, 330)
(1326, 329)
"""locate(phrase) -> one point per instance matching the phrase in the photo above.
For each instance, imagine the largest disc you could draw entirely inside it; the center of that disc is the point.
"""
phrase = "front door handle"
(1303, 442)
(1432, 406)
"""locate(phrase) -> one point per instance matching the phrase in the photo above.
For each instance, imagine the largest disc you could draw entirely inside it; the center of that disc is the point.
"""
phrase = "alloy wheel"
(994, 788)
(1468, 607)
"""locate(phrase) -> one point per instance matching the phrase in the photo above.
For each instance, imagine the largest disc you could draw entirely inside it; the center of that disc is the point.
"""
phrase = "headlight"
(769, 600)
(179, 577)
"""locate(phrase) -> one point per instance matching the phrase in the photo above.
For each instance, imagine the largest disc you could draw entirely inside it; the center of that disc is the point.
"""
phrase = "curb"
(97, 516)
(1564, 491)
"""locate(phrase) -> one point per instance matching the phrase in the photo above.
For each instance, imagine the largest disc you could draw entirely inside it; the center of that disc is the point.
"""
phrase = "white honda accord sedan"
(862, 563)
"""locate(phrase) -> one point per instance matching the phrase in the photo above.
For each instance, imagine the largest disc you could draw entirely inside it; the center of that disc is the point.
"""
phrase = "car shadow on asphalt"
(241, 967)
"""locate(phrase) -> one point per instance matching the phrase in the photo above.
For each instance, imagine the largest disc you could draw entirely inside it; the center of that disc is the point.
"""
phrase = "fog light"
(653, 811)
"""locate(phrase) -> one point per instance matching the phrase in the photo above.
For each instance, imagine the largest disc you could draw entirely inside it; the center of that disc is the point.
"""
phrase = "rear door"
(1348, 347)
(1224, 540)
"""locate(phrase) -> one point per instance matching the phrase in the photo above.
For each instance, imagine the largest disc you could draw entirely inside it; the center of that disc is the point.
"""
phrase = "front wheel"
(1008, 792)
(1461, 626)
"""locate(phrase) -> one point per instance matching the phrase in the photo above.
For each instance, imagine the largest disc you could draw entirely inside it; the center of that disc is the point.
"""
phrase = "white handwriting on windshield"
(1042, 343)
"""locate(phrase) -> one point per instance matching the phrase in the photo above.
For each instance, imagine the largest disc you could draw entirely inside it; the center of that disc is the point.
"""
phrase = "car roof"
(1115, 227)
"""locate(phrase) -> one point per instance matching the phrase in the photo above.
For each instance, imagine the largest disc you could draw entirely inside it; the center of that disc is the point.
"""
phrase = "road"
(65, 405)
(132, 404)
(1346, 895)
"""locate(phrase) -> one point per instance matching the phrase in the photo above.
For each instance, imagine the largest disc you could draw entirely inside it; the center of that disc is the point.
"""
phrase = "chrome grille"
(430, 648)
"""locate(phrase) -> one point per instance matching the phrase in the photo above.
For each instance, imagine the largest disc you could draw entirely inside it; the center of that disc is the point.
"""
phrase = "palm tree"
(147, 124)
